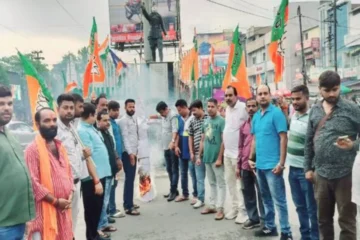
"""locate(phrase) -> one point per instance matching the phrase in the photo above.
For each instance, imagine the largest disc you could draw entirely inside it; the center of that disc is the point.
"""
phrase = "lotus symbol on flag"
(95, 67)
(280, 49)
(42, 101)
(233, 78)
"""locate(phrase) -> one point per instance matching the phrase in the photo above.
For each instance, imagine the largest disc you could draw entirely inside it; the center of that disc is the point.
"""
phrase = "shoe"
(111, 220)
(172, 197)
(286, 236)
(166, 195)
(118, 214)
(198, 204)
(250, 224)
(241, 217)
(265, 232)
(193, 201)
(231, 215)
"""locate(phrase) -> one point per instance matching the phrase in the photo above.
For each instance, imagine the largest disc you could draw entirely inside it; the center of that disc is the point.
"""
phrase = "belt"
(76, 180)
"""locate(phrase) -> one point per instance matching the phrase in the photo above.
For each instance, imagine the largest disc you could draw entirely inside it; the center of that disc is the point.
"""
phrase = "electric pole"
(335, 36)
(36, 55)
(303, 71)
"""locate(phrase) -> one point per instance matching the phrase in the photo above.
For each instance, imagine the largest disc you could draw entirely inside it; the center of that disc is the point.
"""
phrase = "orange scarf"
(50, 229)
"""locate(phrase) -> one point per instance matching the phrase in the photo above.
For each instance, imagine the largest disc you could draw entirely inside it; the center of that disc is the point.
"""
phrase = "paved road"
(161, 220)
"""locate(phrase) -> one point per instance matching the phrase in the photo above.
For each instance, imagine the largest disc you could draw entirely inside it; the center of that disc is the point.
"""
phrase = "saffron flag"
(258, 80)
(276, 50)
(104, 49)
(119, 64)
(71, 87)
(39, 95)
(94, 71)
(236, 74)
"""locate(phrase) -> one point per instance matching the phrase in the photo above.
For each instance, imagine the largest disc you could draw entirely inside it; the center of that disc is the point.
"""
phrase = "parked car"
(23, 132)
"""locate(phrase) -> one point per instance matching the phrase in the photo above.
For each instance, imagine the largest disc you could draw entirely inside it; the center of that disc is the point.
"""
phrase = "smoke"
(148, 85)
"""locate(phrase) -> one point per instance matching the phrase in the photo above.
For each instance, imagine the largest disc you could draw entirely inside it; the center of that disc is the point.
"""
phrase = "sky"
(60, 26)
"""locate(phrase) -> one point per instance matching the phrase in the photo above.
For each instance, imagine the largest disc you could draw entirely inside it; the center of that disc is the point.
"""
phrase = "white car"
(22, 131)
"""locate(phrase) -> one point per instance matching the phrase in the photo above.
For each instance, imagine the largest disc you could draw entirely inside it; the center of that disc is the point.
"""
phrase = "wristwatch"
(173, 140)
(281, 166)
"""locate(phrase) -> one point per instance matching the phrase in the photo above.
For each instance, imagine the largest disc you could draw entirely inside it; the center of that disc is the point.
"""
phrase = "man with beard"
(330, 148)
(269, 130)
(79, 108)
(195, 132)
(52, 181)
(16, 198)
(130, 136)
(250, 187)
(235, 117)
(302, 190)
(93, 203)
(212, 147)
(78, 156)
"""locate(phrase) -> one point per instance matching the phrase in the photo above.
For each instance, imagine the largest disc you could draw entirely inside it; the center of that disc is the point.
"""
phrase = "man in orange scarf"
(52, 181)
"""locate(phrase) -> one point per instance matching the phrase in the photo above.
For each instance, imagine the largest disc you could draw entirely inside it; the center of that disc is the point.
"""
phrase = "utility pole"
(303, 71)
(335, 36)
(36, 55)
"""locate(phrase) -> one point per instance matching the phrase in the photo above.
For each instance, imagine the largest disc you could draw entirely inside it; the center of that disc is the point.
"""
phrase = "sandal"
(208, 210)
(181, 199)
(103, 235)
(109, 229)
(132, 212)
(219, 215)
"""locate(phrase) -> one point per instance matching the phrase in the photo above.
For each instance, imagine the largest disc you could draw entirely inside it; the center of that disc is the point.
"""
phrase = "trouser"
(252, 196)
(304, 199)
(15, 232)
(193, 178)
(104, 222)
(172, 168)
(112, 203)
(156, 43)
(233, 184)
(184, 168)
(329, 193)
(216, 180)
(130, 172)
(272, 188)
(75, 205)
(92, 208)
(200, 173)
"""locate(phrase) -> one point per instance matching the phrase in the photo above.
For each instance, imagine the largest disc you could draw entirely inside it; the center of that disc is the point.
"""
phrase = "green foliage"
(4, 79)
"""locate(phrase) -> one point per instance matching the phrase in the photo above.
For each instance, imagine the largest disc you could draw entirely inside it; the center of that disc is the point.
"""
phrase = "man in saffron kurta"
(52, 182)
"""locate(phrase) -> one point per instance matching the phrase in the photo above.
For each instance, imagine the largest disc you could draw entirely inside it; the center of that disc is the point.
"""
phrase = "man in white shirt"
(235, 116)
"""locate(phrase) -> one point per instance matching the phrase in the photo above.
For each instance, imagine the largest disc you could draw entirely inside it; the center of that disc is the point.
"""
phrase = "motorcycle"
(132, 8)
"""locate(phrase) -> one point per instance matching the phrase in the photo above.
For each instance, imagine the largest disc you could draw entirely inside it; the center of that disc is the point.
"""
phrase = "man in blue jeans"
(114, 112)
(301, 189)
(195, 134)
(269, 143)
(182, 148)
(16, 198)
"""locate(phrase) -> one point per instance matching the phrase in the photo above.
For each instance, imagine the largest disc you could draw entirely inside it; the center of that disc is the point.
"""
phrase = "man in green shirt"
(16, 198)
(212, 147)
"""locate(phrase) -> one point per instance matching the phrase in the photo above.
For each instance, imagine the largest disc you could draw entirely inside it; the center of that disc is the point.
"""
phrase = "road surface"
(160, 220)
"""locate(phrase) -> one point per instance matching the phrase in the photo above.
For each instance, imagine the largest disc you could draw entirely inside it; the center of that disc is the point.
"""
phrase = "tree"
(4, 79)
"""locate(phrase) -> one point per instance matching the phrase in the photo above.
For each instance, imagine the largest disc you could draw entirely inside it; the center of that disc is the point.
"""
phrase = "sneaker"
(250, 224)
(265, 232)
(231, 215)
(241, 217)
(286, 236)
(118, 214)
(198, 204)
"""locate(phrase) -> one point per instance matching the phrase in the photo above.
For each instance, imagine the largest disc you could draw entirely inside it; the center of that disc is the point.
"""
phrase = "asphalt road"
(160, 220)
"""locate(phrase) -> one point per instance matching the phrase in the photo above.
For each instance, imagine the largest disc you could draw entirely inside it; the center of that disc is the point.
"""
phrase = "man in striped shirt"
(301, 189)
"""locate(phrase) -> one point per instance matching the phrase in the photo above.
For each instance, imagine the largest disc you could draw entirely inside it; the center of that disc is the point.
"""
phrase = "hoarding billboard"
(126, 15)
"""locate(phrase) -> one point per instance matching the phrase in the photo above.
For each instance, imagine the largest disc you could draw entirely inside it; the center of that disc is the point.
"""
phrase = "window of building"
(306, 36)
(254, 60)
(264, 57)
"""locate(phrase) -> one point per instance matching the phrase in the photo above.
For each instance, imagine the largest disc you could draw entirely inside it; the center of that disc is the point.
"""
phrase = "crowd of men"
(80, 150)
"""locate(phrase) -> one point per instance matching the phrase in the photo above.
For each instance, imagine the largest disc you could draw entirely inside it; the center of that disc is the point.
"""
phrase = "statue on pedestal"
(156, 29)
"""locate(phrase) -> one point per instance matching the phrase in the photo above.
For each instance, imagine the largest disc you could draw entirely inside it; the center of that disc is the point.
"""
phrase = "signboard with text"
(126, 16)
